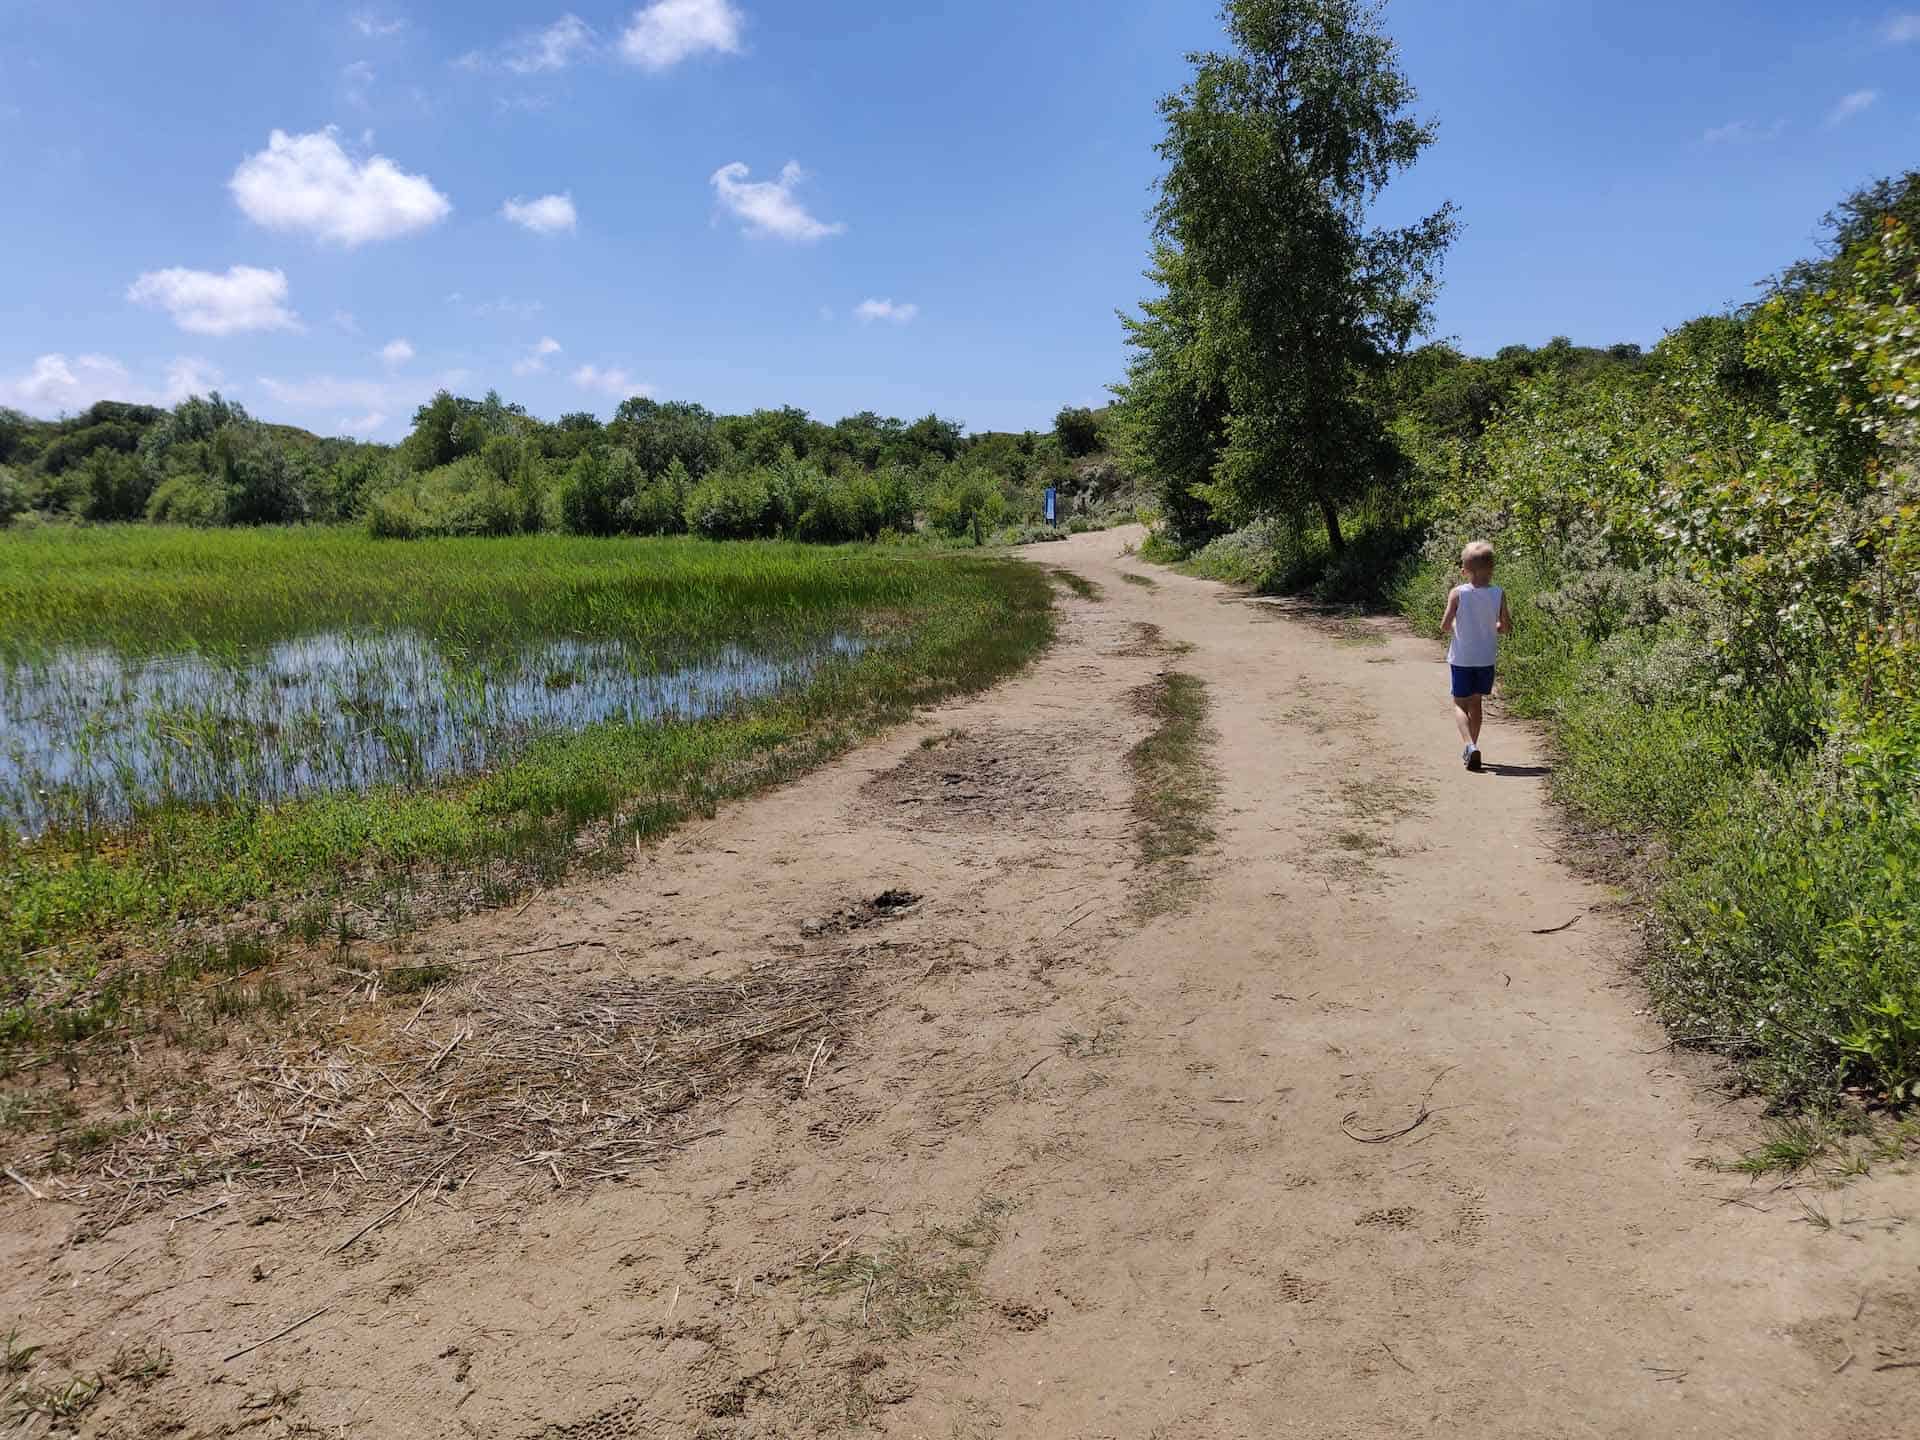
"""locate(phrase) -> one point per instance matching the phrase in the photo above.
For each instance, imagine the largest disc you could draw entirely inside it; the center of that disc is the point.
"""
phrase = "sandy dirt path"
(1064, 1169)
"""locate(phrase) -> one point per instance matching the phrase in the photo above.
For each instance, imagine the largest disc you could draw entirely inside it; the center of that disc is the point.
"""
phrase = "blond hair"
(1475, 554)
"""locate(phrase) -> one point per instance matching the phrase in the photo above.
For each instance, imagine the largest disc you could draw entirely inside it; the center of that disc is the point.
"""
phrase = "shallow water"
(91, 737)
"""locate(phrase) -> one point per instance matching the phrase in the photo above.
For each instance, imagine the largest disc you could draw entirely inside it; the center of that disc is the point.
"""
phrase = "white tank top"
(1475, 641)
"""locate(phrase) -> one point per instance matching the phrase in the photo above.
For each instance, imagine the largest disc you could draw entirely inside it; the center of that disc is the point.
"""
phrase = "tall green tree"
(1280, 303)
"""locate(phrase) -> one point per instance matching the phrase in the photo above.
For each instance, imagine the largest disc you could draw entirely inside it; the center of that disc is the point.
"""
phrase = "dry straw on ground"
(519, 1075)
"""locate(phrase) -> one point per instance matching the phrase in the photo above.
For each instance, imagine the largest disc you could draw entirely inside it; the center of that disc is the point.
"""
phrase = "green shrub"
(731, 506)
(188, 500)
(658, 507)
(834, 513)
(1792, 934)
(396, 515)
(592, 491)
(1264, 555)
(969, 503)
(266, 482)
(465, 497)
(117, 488)
(13, 496)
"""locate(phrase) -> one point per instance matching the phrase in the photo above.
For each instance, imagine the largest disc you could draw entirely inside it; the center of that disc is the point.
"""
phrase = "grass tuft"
(141, 1364)
(16, 1358)
(921, 1282)
(56, 1403)
(1175, 784)
(412, 979)
(1079, 585)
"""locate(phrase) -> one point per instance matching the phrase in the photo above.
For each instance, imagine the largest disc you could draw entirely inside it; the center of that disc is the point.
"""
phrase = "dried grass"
(523, 1074)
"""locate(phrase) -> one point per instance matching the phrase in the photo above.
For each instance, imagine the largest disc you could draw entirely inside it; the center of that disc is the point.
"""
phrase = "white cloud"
(549, 215)
(668, 31)
(535, 360)
(356, 81)
(1902, 29)
(502, 305)
(871, 310)
(308, 183)
(617, 383)
(768, 207)
(204, 303)
(57, 383)
(522, 104)
(537, 52)
(1743, 132)
(553, 48)
(323, 399)
(189, 375)
(396, 353)
(375, 26)
(1851, 105)
(328, 392)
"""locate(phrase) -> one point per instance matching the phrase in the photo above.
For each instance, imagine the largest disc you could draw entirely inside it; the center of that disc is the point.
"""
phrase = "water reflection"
(87, 736)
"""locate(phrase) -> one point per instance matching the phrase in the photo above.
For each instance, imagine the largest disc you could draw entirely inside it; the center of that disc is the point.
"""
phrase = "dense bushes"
(466, 497)
(968, 504)
(205, 462)
(736, 506)
(487, 467)
(796, 499)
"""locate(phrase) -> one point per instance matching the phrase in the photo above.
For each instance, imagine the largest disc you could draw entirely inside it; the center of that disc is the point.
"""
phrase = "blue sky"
(329, 210)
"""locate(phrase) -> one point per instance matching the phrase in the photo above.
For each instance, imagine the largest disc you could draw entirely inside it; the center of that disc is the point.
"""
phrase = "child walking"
(1476, 618)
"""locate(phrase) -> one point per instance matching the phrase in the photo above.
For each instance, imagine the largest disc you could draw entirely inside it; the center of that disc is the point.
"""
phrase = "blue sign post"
(1053, 506)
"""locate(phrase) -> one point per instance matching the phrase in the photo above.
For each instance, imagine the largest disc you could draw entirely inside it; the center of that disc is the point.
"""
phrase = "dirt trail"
(1061, 1170)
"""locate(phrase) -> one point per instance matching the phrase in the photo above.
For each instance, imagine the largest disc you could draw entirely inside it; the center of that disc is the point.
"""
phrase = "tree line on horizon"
(487, 467)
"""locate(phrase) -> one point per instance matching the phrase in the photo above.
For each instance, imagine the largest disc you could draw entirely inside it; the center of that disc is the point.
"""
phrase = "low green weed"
(16, 1358)
(55, 1403)
(921, 1282)
(1079, 584)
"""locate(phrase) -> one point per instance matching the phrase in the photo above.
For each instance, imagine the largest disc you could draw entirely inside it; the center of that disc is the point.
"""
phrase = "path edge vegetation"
(1713, 547)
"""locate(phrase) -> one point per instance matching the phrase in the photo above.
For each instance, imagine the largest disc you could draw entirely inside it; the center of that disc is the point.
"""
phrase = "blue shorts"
(1471, 680)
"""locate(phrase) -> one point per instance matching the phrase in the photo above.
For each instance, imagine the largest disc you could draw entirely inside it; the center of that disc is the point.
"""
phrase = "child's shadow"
(1518, 772)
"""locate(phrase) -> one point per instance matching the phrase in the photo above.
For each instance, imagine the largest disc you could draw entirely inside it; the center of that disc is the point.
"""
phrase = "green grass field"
(110, 895)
